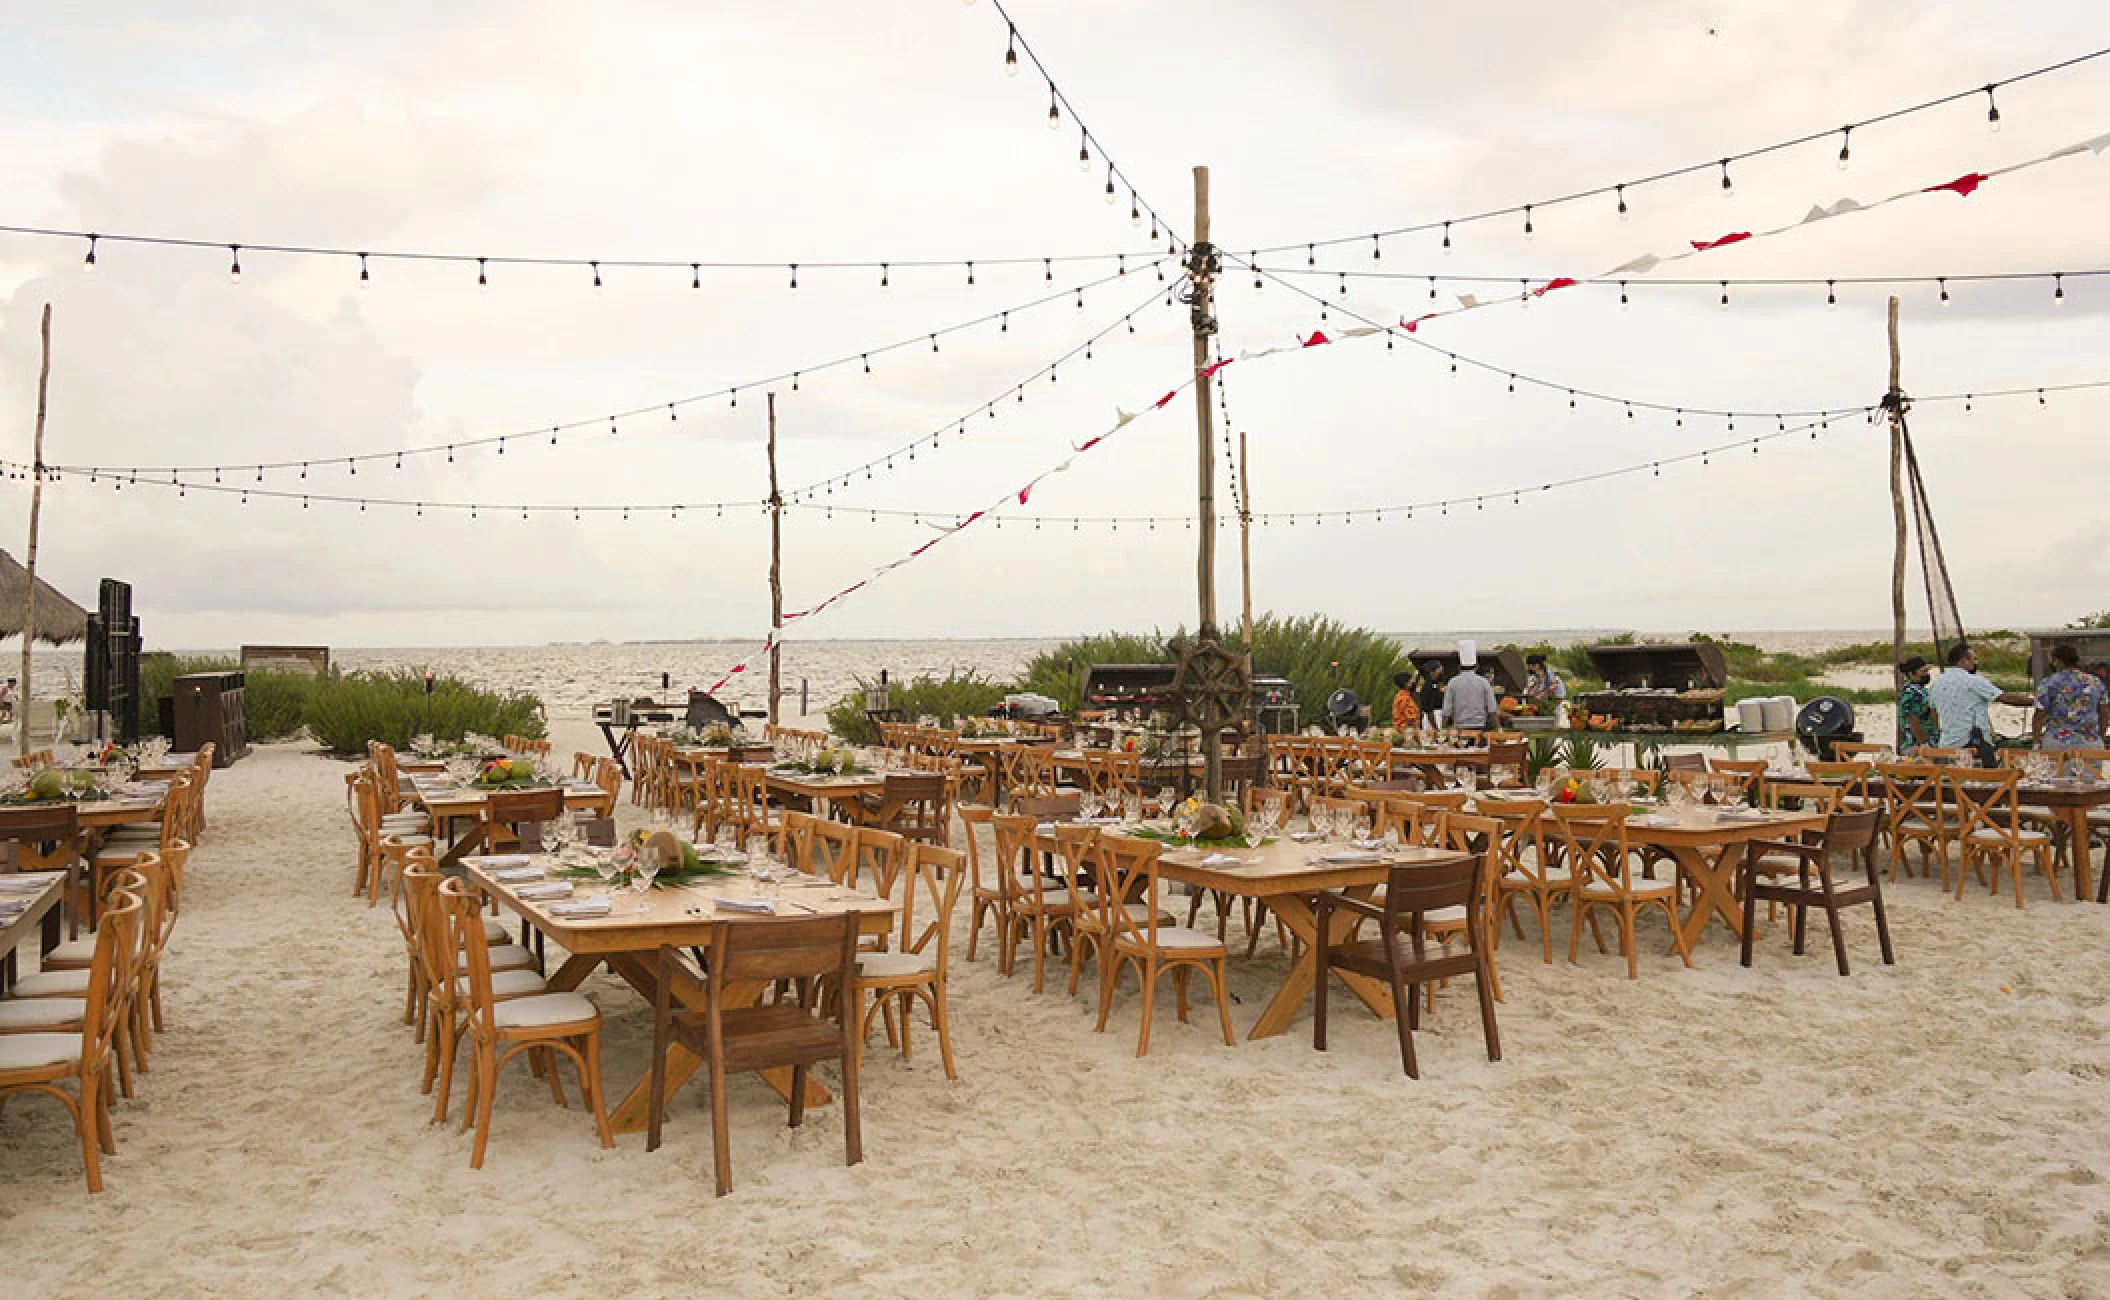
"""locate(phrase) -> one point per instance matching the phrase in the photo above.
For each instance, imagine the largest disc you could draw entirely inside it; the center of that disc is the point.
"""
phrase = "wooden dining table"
(804, 790)
(1288, 876)
(1709, 848)
(448, 804)
(627, 942)
(40, 914)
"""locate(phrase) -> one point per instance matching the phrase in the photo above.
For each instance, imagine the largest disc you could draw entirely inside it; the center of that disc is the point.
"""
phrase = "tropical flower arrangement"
(509, 774)
(679, 862)
(1209, 826)
(51, 785)
(825, 762)
(718, 737)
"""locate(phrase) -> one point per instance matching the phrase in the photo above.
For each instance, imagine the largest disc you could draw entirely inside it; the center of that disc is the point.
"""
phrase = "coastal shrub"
(277, 703)
(958, 694)
(1059, 673)
(346, 712)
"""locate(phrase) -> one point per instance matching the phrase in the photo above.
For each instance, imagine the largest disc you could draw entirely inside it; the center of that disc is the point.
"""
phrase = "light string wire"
(1138, 207)
(528, 436)
(958, 424)
(1690, 282)
(1722, 163)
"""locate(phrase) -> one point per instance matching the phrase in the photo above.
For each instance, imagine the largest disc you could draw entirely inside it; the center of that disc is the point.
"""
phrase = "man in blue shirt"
(1960, 697)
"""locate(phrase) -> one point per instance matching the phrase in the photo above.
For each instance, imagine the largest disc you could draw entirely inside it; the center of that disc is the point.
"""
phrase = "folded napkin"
(582, 907)
(12, 906)
(1368, 844)
(498, 860)
(1305, 837)
(1220, 860)
(1741, 814)
(546, 889)
(760, 906)
(21, 885)
(511, 874)
(1347, 855)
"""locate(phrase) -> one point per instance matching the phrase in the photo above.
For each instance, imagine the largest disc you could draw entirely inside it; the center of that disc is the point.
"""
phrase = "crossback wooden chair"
(444, 971)
(567, 1024)
(1133, 910)
(1601, 861)
(1813, 884)
(877, 863)
(731, 1037)
(1040, 910)
(1483, 837)
(1913, 816)
(507, 813)
(45, 1061)
(916, 806)
(988, 898)
(1857, 751)
(1749, 771)
(1402, 952)
(914, 969)
(1991, 833)
(1522, 870)
(751, 811)
(834, 850)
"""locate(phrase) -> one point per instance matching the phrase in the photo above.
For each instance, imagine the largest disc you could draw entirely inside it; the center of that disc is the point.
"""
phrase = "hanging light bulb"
(695, 275)
(1311, 255)
(1846, 146)
(1054, 109)
(481, 281)
(1620, 190)
(883, 276)
(365, 280)
(1728, 189)
(1446, 236)
(1084, 153)
(1527, 221)
(1011, 55)
(1725, 295)
(1109, 182)
(234, 268)
(2058, 290)
(1992, 111)
(794, 275)
(1375, 251)
(88, 262)
(596, 273)
(970, 273)
(1831, 299)
(1944, 283)
(1622, 293)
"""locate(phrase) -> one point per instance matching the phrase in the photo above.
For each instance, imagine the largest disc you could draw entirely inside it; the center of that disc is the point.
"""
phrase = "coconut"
(663, 850)
(1214, 822)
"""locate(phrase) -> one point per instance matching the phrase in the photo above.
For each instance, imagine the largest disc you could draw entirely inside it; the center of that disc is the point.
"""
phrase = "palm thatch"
(59, 620)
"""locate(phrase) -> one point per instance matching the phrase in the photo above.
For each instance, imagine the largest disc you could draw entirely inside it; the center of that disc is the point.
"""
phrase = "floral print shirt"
(1913, 704)
(2070, 700)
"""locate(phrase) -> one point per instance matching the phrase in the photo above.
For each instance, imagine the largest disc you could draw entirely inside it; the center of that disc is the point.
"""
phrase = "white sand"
(1930, 1129)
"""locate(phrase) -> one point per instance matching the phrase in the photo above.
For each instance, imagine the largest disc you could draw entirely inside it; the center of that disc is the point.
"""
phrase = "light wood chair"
(1523, 870)
(43, 1062)
(1913, 815)
(1601, 862)
(1040, 911)
(915, 969)
(446, 993)
(1483, 838)
(1129, 874)
(1402, 953)
(1856, 751)
(506, 813)
(1991, 834)
(834, 852)
(731, 1037)
(565, 1023)
(989, 898)
(916, 806)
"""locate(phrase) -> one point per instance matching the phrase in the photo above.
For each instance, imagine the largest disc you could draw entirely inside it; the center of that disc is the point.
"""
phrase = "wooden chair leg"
(1831, 916)
(721, 1134)
(1219, 975)
(1487, 1011)
(1150, 973)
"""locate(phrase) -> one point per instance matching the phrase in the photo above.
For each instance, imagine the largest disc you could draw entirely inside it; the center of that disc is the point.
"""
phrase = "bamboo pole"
(1897, 497)
(1203, 320)
(36, 507)
(776, 571)
(1245, 539)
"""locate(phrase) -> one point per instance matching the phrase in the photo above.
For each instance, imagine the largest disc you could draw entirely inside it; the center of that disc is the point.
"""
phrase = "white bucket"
(1780, 713)
(1751, 715)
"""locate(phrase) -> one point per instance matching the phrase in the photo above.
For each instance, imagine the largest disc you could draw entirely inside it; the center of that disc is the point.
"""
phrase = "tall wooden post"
(776, 572)
(1202, 316)
(1895, 404)
(36, 507)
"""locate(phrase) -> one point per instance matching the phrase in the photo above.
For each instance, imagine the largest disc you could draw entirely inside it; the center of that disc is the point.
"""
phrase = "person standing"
(1541, 684)
(1960, 697)
(1429, 694)
(1469, 702)
(1917, 724)
(1406, 711)
(2072, 708)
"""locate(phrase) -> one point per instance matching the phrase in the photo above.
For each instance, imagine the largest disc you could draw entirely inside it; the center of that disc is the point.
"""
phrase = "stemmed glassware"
(1166, 797)
(559, 834)
(606, 867)
(1131, 807)
(1087, 805)
(647, 867)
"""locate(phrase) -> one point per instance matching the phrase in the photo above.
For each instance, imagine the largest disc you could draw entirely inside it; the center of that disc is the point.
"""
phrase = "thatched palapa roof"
(59, 620)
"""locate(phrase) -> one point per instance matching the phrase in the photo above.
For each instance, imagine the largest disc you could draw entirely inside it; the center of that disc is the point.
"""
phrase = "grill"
(1669, 687)
(1132, 688)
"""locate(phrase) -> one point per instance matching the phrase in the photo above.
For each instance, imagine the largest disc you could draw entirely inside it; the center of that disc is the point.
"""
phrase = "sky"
(839, 131)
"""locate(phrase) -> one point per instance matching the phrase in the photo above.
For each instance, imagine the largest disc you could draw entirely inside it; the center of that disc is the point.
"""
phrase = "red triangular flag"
(1962, 185)
(1557, 282)
(1165, 400)
(1317, 337)
(1412, 325)
(1025, 492)
(1733, 237)
(1210, 370)
(970, 519)
(1102, 437)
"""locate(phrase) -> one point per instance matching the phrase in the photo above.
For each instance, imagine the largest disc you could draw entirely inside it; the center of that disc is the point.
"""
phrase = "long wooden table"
(41, 914)
(1285, 876)
(627, 941)
(1709, 850)
(449, 804)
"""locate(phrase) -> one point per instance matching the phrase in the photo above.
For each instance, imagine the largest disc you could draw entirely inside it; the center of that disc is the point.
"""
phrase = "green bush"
(1059, 673)
(344, 713)
(949, 698)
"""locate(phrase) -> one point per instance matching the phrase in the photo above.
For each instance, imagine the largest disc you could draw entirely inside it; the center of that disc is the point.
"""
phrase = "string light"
(1943, 281)
(88, 262)
(481, 282)
(1084, 152)
(1527, 220)
(596, 273)
(883, 275)
(1011, 55)
(1727, 188)
(695, 275)
(2058, 290)
(1831, 299)
(1620, 190)
(234, 267)
(1992, 110)
(365, 279)
(1846, 146)
(1054, 110)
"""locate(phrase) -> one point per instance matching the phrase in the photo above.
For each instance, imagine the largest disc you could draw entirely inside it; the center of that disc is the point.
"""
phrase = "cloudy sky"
(828, 131)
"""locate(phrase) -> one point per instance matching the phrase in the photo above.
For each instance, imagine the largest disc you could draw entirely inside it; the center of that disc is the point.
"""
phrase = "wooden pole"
(1897, 498)
(776, 570)
(36, 507)
(1202, 316)
(1245, 538)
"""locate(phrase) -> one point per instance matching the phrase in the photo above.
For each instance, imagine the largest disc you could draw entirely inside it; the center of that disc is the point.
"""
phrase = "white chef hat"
(1468, 654)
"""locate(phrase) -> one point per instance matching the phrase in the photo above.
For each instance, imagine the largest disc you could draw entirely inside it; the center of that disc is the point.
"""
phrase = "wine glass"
(606, 867)
(1087, 805)
(559, 834)
(1166, 797)
(647, 868)
(1131, 807)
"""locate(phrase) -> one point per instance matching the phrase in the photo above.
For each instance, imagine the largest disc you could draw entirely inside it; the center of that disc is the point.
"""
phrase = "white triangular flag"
(1645, 262)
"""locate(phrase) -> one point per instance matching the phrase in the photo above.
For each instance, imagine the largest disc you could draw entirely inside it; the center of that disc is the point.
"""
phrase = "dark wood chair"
(731, 1035)
(1693, 762)
(914, 805)
(49, 839)
(506, 815)
(1850, 834)
(1402, 953)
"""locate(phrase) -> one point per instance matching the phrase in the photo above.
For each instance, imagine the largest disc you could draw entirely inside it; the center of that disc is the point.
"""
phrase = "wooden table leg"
(2076, 819)
(1715, 883)
(1296, 913)
(633, 1113)
(471, 839)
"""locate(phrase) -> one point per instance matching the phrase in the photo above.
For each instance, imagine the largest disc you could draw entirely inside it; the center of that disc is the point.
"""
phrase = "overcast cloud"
(837, 130)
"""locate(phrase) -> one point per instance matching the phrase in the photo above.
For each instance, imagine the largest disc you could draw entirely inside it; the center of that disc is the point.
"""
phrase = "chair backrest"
(765, 951)
(1858, 750)
(930, 891)
(1414, 821)
(57, 824)
(1047, 805)
(1446, 800)
(1812, 796)
(1519, 846)
(1076, 847)
(880, 855)
(1691, 762)
(1851, 777)
(1850, 832)
(1471, 834)
(1936, 754)
(916, 801)
(971, 816)
(1128, 873)
(1411, 891)
(1507, 754)
(1595, 835)
(798, 840)
(834, 852)
(512, 809)
(1911, 791)
(1014, 854)
(1986, 799)
(463, 934)
(111, 972)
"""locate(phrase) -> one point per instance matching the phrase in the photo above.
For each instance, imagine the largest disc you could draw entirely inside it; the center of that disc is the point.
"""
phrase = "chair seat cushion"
(896, 965)
(547, 1009)
(506, 984)
(1176, 937)
(1635, 889)
(411, 841)
(509, 956)
(1780, 864)
(74, 954)
(495, 931)
(1444, 916)
(1057, 900)
(38, 1051)
(1554, 878)
(1988, 835)
(53, 984)
(18, 1014)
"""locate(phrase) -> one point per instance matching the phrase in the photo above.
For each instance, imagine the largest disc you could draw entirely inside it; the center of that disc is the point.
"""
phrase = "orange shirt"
(1405, 713)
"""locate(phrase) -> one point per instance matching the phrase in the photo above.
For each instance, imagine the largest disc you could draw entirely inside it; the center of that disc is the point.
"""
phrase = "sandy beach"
(1926, 1129)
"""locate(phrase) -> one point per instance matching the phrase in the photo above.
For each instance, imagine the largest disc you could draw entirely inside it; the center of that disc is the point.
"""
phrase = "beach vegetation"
(347, 711)
(961, 693)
